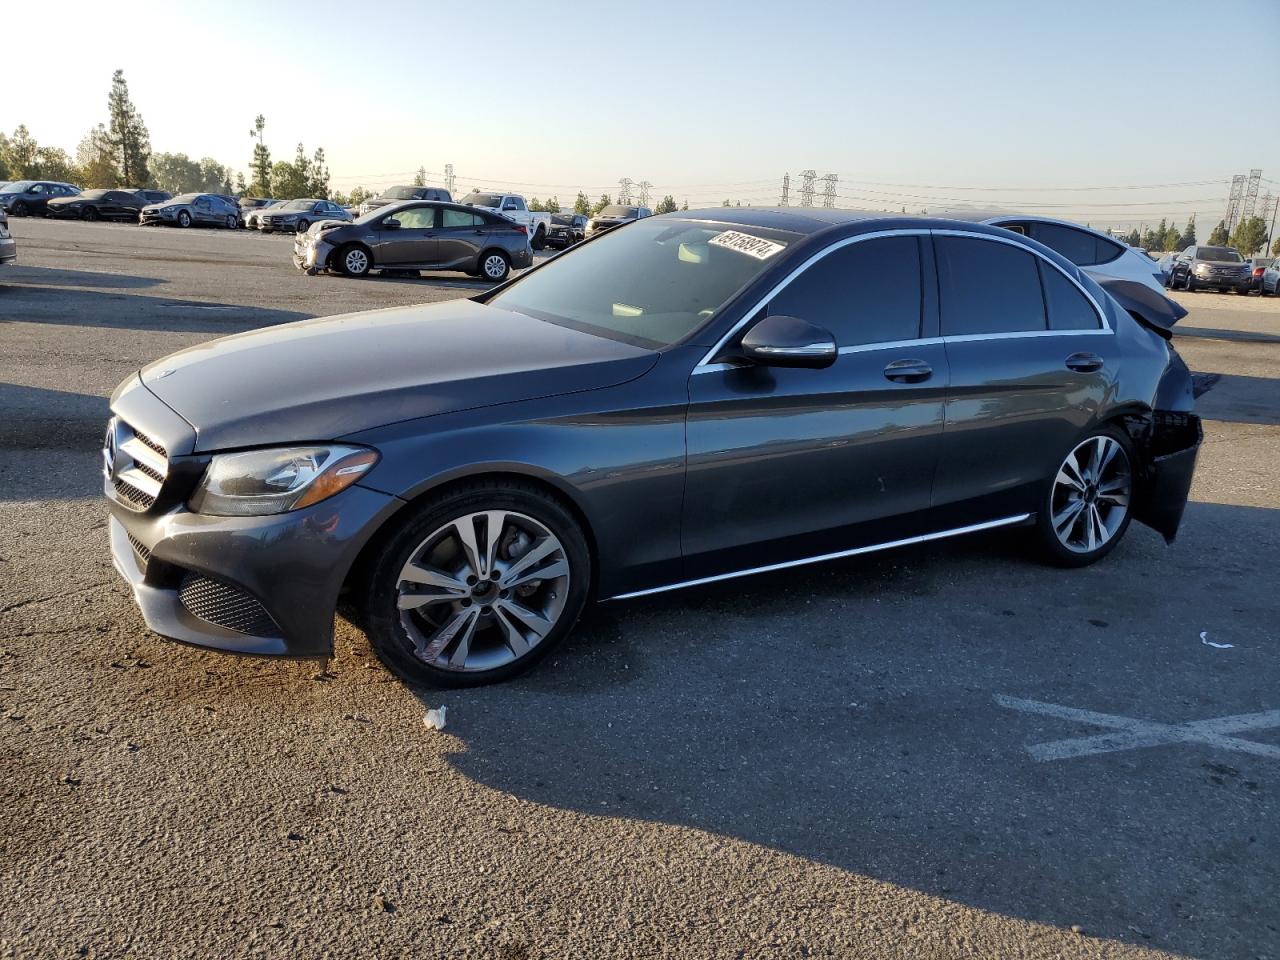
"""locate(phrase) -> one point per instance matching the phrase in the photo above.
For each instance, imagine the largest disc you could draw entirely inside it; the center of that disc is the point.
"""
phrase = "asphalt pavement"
(943, 751)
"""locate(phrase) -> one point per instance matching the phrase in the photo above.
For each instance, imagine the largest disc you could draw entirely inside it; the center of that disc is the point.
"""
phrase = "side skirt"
(871, 548)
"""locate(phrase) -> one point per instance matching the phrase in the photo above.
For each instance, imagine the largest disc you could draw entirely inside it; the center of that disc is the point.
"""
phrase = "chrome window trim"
(872, 548)
(705, 365)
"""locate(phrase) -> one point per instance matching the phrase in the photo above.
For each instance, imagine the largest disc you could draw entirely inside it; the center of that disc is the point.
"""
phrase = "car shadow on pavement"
(125, 311)
(1237, 399)
(23, 275)
(1243, 336)
(49, 443)
(845, 714)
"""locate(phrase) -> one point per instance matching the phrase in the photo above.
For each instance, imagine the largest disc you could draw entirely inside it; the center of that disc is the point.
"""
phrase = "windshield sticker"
(745, 243)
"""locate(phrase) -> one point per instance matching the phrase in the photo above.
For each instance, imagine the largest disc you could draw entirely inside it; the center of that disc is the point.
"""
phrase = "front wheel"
(477, 586)
(303, 226)
(184, 218)
(539, 239)
(354, 261)
(1088, 505)
(19, 209)
(90, 214)
(233, 222)
(495, 266)
(1188, 284)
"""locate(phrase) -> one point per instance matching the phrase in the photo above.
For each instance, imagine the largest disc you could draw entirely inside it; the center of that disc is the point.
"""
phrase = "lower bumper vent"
(216, 602)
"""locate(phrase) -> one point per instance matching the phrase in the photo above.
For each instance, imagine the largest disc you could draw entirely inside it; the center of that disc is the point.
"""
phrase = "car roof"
(814, 220)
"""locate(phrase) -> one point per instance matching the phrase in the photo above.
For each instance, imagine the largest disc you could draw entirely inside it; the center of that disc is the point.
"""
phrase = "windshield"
(298, 205)
(400, 193)
(94, 194)
(483, 199)
(19, 186)
(184, 198)
(618, 210)
(651, 283)
(1218, 255)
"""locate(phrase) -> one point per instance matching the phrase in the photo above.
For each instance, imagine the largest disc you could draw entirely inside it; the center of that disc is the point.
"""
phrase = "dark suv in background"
(1203, 267)
(399, 194)
(566, 230)
(30, 198)
(613, 215)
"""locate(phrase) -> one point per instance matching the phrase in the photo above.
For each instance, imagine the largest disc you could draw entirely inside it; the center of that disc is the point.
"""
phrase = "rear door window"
(987, 287)
(1068, 308)
(456, 219)
(864, 293)
(1081, 247)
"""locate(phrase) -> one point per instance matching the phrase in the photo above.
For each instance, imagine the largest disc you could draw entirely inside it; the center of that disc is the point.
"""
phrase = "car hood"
(329, 377)
(64, 201)
(165, 203)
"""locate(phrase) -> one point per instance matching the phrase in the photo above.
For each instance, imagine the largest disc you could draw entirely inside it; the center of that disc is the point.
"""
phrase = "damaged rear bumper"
(1165, 482)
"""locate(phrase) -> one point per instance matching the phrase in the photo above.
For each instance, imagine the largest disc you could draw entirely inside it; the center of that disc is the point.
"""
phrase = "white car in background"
(513, 207)
(1101, 256)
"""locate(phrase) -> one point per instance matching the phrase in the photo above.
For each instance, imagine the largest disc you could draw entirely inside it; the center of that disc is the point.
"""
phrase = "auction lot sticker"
(745, 243)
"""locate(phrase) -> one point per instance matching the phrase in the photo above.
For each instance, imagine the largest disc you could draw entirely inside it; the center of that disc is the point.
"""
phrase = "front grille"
(216, 602)
(140, 548)
(139, 466)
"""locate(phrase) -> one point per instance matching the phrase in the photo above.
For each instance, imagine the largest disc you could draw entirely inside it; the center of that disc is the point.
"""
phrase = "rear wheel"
(184, 218)
(233, 222)
(477, 586)
(354, 261)
(19, 209)
(1088, 504)
(495, 266)
(90, 214)
(539, 238)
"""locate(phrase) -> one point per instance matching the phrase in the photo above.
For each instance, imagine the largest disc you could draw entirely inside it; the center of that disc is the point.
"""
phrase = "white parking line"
(1133, 734)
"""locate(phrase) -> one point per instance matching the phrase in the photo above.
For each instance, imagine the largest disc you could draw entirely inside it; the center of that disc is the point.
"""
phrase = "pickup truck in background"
(513, 207)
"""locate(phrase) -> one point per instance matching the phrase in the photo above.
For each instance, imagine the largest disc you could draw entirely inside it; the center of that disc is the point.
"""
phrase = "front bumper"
(311, 258)
(1231, 281)
(156, 216)
(256, 585)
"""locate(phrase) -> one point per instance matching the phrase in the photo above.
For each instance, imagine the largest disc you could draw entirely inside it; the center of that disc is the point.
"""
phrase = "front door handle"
(1084, 362)
(908, 371)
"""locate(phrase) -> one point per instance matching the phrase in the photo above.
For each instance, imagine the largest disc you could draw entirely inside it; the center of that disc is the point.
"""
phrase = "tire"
(19, 209)
(475, 631)
(1069, 535)
(90, 214)
(1188, 284)
(353, 260)
(539, 238)
(184, 218)
(303, 226)
(494, 265)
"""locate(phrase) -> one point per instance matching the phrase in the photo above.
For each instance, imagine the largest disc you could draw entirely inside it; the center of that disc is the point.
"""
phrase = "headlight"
(257, 483)
(168, 209)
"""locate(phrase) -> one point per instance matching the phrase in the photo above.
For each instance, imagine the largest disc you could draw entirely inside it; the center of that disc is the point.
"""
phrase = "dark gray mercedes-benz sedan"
(684, 399)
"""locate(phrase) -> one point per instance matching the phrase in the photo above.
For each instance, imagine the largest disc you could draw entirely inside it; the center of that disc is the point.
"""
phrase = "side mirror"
(390, 224)
(781, 341)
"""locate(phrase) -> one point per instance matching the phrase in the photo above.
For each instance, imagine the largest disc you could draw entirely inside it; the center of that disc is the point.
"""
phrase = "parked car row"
(1205, 267)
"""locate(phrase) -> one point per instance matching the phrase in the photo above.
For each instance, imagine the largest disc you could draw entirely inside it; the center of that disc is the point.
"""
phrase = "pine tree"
(95, 160)
(1188, 235)
(600, 204)
(318, 175)
(1219, 236)
(582, 206)
(260, 166)
(420, 178)
(1249, 236)
(666, 205)
(128, 135)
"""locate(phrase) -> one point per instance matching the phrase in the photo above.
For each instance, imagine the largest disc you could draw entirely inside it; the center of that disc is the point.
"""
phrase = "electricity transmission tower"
(448, 178)
(829, 190)
(1250, 195)
(1233, 201)
(806, 187)
(786, 190)
(645, 186)
(624, 190)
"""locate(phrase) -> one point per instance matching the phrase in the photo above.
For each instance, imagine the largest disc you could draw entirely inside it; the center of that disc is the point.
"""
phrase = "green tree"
(54, 164)
(21, 154)
(666, 205)
(535, 205)
(1275, 249)
(1188, 235)
(685, 205)
(582, 205)
(1133, 239)
(358, 196)
(1172, 239)
(600, 204)
(725, 204)
(177, 173)
(420, 178)
(214, 177)
(1218, 237)
(260, 165)
(95, 160)
(1249, 236)
(317, 174)
(128, 134)
(241, 187)
(1148, 239)
(287, 181)
(1161, 234)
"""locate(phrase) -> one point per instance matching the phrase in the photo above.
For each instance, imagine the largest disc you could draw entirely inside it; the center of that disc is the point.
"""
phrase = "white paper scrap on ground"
(1204, 638)
(434, 720)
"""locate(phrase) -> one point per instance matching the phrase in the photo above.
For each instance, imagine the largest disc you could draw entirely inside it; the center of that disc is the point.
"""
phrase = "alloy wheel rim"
(494, 266)
(357, 261)
(1091, 495)
(482, 591)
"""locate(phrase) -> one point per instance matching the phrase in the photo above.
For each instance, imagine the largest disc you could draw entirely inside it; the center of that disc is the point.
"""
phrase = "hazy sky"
(909, 103)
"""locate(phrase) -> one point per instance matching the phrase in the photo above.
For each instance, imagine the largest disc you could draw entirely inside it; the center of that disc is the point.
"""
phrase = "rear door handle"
(1084, 362)
(908, 371)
